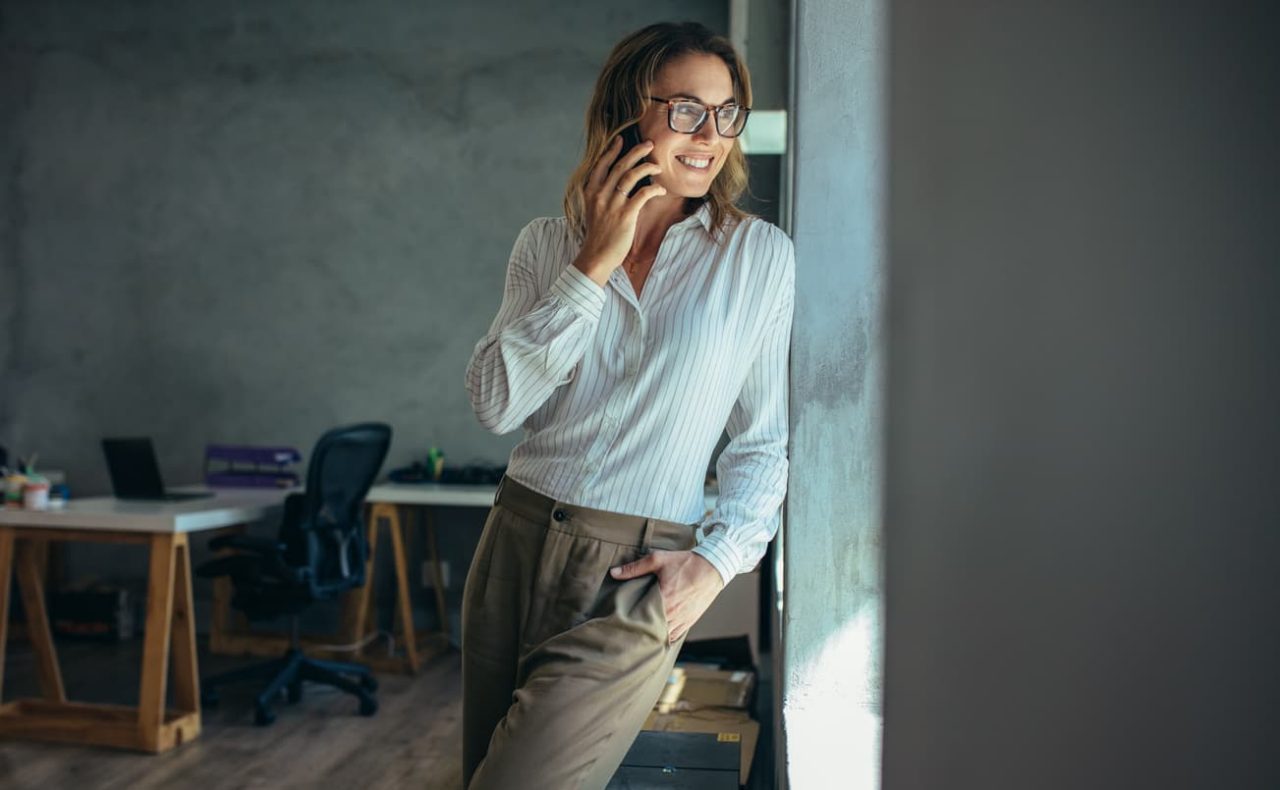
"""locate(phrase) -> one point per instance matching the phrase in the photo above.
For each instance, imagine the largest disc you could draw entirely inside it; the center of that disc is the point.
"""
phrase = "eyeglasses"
(686, 116)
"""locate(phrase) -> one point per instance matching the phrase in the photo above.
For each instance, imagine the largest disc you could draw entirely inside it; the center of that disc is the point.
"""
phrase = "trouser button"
(559, 515)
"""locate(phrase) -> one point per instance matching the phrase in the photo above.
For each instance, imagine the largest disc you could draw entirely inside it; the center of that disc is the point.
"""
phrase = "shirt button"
(559, 515)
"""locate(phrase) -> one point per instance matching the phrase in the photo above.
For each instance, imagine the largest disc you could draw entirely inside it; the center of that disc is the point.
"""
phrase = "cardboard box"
(727, 725)
(708, 686)
(679, 761)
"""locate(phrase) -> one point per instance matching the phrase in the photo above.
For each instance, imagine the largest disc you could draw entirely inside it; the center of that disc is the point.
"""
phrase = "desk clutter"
(701, 729)
(24, 487)
(432, 469)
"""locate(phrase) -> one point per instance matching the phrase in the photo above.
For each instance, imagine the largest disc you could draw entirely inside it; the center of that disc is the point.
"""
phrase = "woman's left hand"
(688, 583)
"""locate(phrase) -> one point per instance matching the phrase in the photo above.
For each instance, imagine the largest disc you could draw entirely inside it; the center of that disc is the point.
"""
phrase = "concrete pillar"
(831, 624)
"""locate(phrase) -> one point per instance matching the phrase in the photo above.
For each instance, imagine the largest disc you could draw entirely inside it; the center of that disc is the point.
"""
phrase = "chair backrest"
(323, 528)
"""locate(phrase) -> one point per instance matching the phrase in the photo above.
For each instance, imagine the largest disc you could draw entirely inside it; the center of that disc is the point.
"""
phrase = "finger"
(645, 194)
(604, 162)
(626, 162)
(633, 176)
(641, 567)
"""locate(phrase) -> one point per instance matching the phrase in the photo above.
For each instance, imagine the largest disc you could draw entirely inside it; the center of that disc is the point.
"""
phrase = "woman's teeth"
(695, 162)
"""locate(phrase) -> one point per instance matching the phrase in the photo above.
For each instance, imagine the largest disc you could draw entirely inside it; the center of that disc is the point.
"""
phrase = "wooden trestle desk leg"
(405, 607)
(170, 630)
(32, 586)
(14, 553)
(169, 625)
(186, 678)
(360, 613)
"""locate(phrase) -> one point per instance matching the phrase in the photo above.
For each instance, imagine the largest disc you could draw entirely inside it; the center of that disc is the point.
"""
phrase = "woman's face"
(689, 162)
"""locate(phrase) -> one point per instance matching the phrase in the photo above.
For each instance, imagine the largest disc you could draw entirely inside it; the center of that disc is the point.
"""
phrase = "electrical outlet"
(428, 581)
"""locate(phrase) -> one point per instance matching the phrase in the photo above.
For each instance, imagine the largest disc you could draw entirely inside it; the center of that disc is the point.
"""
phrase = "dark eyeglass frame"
(708, 111)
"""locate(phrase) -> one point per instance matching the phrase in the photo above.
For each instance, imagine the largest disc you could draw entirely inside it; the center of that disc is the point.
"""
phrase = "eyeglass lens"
(688, 117)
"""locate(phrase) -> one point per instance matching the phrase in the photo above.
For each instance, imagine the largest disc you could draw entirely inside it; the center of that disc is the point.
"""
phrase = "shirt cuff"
(718, 550)
(580, 292)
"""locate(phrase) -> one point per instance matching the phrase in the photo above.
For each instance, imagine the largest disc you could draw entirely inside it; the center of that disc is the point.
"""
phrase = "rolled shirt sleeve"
(535, 340)
(752, 470)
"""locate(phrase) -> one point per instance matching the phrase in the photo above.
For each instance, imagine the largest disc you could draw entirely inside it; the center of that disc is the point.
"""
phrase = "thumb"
(645, 565)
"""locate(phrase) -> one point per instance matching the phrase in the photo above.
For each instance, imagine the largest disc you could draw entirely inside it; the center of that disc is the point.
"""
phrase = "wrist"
(708, 569)
(593, 268)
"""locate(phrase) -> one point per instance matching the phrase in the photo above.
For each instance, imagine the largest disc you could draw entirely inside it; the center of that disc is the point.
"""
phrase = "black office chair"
(319, 553)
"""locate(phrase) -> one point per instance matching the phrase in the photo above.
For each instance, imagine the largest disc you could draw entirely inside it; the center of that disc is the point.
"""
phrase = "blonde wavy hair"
(621, 97)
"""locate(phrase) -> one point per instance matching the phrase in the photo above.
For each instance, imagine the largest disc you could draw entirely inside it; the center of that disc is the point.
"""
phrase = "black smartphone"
(630, 139)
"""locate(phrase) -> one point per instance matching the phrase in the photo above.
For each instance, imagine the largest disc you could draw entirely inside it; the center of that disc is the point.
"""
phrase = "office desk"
(388, 505)
(163, 527)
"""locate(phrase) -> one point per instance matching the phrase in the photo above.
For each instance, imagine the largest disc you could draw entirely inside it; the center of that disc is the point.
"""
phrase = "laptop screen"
(133, 468)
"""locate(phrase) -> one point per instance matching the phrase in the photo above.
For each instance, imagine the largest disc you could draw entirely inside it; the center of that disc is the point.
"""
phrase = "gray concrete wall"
(831, 624)
(248, 222)
(1082, 501)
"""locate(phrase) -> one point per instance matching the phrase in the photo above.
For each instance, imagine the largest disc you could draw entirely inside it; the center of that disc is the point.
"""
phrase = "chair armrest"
(257, 557)
(250, 543)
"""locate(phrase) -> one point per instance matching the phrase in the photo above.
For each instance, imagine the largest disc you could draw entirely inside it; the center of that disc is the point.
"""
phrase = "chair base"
(288, 673)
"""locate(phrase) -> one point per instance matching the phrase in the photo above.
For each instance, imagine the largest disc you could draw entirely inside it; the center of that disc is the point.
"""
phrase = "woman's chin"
(687, 188)
(689, 192)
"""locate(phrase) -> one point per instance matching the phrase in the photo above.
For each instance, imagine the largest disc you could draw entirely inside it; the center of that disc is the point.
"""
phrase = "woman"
(632, 331)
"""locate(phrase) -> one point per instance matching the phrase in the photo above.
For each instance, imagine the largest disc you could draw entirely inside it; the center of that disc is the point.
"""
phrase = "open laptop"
(135, 473)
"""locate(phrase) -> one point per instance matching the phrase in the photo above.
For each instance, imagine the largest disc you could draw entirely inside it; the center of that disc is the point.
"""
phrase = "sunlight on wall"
(834, 709)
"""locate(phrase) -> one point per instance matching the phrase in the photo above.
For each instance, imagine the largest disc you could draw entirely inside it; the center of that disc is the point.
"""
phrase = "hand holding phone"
(630, 139)
(611, 212)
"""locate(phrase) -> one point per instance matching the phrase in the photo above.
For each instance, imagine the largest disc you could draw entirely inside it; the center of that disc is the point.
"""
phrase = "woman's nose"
(707, 132)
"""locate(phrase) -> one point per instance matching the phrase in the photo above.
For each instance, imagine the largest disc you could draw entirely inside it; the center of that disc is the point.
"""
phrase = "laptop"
(135, 473)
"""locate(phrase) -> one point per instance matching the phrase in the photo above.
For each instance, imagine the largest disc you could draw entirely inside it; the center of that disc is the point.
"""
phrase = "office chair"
(320, 552)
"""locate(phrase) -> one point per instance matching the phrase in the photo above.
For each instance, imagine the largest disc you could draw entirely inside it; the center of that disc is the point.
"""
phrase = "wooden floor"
(413, 741)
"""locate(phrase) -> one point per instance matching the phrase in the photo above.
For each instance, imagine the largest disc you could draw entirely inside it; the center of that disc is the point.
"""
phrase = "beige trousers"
(560, 662)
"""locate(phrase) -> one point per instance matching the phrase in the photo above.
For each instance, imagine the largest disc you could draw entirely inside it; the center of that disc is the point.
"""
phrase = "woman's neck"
(656, 218)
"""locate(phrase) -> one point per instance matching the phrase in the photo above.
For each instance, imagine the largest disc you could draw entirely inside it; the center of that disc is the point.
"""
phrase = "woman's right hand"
(611, 215)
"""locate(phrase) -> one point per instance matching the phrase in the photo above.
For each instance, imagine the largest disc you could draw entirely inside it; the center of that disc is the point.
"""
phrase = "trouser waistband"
(607, 525)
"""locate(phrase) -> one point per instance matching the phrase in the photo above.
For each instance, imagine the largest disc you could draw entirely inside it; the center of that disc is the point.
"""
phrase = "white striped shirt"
(623, 400)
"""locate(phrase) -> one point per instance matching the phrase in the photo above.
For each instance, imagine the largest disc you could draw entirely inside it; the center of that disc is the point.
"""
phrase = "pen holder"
(35, 495)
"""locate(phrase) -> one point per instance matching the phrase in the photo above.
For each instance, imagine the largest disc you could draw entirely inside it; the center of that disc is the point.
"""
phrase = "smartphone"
(630, 139)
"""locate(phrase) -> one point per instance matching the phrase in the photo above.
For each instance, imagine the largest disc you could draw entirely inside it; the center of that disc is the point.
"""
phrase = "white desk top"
(446, 494)
(433, 494)
(230, 506)
(225, 508)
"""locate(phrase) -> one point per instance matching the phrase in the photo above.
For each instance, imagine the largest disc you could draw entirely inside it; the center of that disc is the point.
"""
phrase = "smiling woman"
(644, 81)
(633, 332)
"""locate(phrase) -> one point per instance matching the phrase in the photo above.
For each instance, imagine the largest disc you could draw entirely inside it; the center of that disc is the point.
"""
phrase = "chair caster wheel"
(263, 716)
(368, 683)
(368, 706)
(209, 699)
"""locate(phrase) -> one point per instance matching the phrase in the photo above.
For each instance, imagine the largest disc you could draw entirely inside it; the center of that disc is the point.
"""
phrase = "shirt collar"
(702, 216)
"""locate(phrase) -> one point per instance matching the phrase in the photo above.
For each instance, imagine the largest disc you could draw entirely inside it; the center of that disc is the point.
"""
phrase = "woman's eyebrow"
(679, 95)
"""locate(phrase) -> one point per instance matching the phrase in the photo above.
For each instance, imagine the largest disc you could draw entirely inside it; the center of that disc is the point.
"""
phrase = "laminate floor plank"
(414, 740)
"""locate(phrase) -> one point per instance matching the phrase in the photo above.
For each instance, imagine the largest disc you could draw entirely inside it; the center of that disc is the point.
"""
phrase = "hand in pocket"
(687, 582)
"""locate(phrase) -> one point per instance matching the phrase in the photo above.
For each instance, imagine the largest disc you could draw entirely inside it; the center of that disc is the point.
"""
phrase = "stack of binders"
(245, 466)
